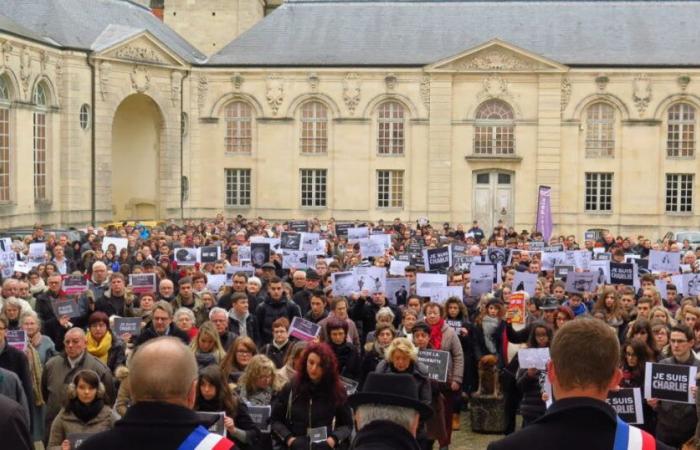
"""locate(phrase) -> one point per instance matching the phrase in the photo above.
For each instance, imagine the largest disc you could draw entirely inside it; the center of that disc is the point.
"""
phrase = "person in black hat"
(387, 412)
(303, 297)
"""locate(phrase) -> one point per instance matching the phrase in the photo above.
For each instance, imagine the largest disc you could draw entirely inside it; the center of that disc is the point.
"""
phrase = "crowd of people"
(75, 374)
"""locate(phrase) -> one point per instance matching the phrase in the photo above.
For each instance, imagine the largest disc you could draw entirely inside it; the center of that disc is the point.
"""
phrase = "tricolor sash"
(632, 438)
(201, 439)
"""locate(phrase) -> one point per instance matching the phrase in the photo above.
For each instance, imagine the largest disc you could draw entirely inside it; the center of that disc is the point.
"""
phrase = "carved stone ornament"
(104, 73)
(141, 54)
(602, 82)
(391, 81)
(43, 60)
(25, 68)
(425, 90)
(237, 81)
(351, 91)
(202, 89)
(495, 86)
(5, 49)
(683, 81)
(175, 80)
(642, 93)
(565, 93)
(275, 92)
(140, 79)
(59, 77)
(313, 80)
(496, 60)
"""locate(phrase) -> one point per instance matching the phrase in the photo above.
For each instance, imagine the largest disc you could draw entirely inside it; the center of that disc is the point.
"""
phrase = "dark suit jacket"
(14, 427)
(578, 423)
(147, 426)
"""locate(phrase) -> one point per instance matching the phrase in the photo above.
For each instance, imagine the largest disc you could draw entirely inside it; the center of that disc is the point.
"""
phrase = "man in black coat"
(14, 427)
(388, 411)
(15, 361)
(580, 418)
(365, 312)
(162, 415)
(276, 305)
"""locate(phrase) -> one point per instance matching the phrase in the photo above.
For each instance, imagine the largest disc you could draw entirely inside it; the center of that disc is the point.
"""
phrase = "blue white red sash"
(632, 438)
(201, 439)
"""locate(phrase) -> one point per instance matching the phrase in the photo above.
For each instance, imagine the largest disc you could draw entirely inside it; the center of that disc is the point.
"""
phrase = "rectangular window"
(599, 191)
(4, 154)
(679, 192)
(313, 187)
(390, 188)
(39, 156)
(237, 187)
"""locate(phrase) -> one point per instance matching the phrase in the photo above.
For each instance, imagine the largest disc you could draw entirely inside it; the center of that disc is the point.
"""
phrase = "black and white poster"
(442, 294)
(214, 421)
(670, 382)
(343, 283)
(355, 234)
(459, 249)
(350, 385)
(691, 282)
(244, 252)
(602, 256)
(537, 246)
(299, 226)
(290, 241)
(398, 267)
(627, 403)
(426, 281)
(560, 272)
(581, 282)
(186, 256)
(66, 307)
(601, 269)
(396, 290)
(481, 280)
(370, 248)
(525, 281)
(37, 253)
(294, 259)
(75, 440)
(622, 273)
(130, 325)
(142, 283)
(209, 254)
(341, 229)
(259, 253)
(437, 362)
(215, 282)
(497, 255)
(462, 263)
(667, 262)
(260, 415)
(309, 241)
(437, 259)
(554, 248)
(370, 279)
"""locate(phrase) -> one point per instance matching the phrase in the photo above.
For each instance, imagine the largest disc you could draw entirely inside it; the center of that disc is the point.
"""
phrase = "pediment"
(496, 56)
(141, 47)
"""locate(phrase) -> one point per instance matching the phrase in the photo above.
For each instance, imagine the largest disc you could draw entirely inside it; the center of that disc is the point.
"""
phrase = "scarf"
(36, 370)
(436, 334)
(489, 325)
(85, 412)
(99, 350)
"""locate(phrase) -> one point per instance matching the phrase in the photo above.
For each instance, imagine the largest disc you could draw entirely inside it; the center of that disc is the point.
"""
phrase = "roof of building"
(420, 32)
(79, 24)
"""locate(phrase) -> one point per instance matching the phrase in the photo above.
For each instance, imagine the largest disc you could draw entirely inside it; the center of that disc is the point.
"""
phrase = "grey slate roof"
(417, 33)
(79, 23)
(12, 27)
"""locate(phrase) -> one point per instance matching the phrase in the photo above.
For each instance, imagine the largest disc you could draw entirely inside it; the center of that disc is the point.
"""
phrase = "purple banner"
(544, 212)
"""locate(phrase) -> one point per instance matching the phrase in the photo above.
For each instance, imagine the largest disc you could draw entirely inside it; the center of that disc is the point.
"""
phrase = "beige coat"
(450, 343)
(67, 423)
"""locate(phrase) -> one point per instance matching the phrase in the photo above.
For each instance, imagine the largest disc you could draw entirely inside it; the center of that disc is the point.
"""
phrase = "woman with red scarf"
(443, 337)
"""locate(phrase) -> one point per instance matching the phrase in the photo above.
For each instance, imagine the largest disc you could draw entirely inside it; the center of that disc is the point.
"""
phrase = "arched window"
(5, 161)
(314, 127)
(390, 139)
(494, 131)
(40, 130)
(600, 130)
(680, 140)
(239, 134)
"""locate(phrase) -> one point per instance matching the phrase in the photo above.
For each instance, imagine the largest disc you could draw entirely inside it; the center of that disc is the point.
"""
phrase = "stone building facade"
(322, 110)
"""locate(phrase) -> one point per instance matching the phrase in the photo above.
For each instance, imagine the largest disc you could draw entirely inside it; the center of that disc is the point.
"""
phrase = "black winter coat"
(384, 435)
(14, 428)
(15, 361)
(271, 310)
(147, 426)
(348, 360)
(308, 410)
(531, 404)
(251, 327)
(577, 423)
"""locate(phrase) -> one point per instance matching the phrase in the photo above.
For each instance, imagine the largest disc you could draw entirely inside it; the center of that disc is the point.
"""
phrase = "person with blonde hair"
(207, 346)
(258, 385)
(237, 358)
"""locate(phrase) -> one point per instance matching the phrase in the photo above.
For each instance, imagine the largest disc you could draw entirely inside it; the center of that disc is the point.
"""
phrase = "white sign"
(119, 243)
(427, 281)
(668, 262)
(533, 358)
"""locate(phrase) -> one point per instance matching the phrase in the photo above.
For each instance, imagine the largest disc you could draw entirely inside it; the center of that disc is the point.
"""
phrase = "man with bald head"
(61, 369)
(161, 415)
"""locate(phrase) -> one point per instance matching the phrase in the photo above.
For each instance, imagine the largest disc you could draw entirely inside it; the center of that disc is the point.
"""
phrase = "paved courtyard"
(464, 439)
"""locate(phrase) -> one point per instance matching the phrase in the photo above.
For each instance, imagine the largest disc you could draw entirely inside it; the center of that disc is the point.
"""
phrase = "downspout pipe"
(93, 96)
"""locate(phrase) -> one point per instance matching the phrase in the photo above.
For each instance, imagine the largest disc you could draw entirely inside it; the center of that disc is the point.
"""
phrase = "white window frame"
(238, 117)
(314, 131)
(237, 187)
(598, 192)
(391, 129)
(680, 131)
(494, 136)
(40, 144)
(600, 130)
(313, 188)
(390, 189)
(679, 193)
